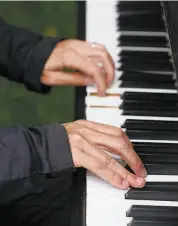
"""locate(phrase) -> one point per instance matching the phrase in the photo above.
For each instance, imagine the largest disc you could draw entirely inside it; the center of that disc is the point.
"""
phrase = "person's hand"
(92, 64)
(89, 139)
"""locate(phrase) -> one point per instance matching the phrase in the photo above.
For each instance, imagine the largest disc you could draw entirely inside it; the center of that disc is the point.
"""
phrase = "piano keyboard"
(143, 101)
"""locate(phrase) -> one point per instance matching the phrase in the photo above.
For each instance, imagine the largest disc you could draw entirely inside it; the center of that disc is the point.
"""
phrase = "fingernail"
(144, 173)
(140, 180)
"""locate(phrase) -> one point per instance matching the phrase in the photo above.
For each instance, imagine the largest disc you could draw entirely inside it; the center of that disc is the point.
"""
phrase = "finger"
(85, 48)
(98, 167)
(110, 162)
(77, 62)
(115, 145)
(64, 78)
(112, 130)
(107, 129)
(99, 64)
(105, 60)
(102, 47)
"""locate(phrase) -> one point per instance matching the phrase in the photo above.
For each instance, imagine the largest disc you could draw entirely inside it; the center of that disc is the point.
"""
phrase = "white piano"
(142, 100)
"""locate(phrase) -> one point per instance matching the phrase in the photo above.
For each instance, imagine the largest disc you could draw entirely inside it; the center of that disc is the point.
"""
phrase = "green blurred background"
(17, 105)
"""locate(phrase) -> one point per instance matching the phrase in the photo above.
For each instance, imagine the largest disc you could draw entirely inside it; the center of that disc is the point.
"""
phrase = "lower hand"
(92, 64)
(89, 139)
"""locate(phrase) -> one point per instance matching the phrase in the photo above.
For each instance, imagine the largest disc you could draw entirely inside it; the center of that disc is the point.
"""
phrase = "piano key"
(149, 106)
(116, 101)
(150, 222)
(152, 134)
(156, 158)
(169, 212)
(147, 84)
(135, 6)
(142, 41)
(150, 113)
(150, 125)
(144, 55)
(140, 22)
(149, 96)
(145, 76)
(112, 116)
(139, 66)
(162, 168)
(164, 191)
(158, 148)
(115, 90)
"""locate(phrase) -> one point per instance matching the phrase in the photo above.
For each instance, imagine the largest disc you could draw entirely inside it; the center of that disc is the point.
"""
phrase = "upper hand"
(88, 139)
(90, 65)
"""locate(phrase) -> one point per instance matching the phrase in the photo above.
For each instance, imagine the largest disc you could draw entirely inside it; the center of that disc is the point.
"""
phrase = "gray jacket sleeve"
(27, 156)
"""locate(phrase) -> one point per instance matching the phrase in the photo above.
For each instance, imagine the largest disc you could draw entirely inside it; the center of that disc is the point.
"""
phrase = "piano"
(142, 101)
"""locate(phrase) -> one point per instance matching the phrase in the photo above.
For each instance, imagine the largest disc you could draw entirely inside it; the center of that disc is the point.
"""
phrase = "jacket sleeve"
(27, 155)
(23, 55)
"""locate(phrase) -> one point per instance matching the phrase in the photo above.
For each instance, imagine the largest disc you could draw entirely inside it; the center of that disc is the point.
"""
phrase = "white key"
(112, 116)
(115, 89)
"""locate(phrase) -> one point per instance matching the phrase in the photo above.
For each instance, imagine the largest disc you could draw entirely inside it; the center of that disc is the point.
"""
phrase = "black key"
(152, 134)
(159, 148)
(150, 113)
(145, 76)
(150, 96)
(148, 106)
(140, 22)
(144, 55)
(145, 60)
(168, 212)
(159, 168)
(150, 222)
(150, 125)
(159, 159)
(135, 6)
(153, 85)
(142, 41)
(139, 66)
(163, 191)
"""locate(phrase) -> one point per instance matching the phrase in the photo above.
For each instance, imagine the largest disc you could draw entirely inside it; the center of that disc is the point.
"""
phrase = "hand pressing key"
(89, 139)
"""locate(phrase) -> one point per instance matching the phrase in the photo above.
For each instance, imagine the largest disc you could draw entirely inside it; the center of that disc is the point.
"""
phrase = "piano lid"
(170, 9)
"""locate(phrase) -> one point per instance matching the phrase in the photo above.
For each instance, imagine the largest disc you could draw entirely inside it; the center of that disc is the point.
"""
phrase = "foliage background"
(17, 105)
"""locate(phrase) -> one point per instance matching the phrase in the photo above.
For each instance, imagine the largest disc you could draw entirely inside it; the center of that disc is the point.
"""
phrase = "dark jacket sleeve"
(23, 55)
(27, 155)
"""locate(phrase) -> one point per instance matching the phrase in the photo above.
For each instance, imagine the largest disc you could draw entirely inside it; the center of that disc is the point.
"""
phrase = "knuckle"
(126, 175)
(80, 121)
(68, 54)
(75, 137)
(109, 161)
(104, 53)
(82, 130)
(119, 132)
(138, 164)
(123, 144)
(95, 71)
(100, 166)
(102, 46)
(114, 178)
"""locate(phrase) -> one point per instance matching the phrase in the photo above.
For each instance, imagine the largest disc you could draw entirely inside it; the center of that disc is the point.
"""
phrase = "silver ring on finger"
(93, 45)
